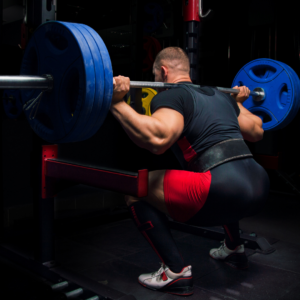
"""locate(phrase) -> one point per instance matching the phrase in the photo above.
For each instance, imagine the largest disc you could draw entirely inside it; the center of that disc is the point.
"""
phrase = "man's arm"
(250, 130)
(156, 133)
(250, 125)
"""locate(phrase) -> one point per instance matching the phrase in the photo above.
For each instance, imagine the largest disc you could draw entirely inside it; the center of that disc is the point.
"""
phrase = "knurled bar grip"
(141, 84)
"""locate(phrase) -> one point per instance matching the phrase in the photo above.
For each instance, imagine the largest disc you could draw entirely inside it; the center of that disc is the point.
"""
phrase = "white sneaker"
(235, 258)
(165, 280)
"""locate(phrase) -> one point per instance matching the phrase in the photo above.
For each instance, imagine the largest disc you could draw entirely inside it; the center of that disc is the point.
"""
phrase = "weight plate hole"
(56, 40)
(263, 71)
(282, 96)
(264, 117)
(144, 95)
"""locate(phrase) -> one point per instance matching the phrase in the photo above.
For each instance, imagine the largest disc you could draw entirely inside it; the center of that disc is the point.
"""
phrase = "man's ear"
(164, 72)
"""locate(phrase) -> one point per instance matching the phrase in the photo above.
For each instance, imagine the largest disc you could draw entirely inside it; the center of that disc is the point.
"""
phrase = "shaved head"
(174, 58)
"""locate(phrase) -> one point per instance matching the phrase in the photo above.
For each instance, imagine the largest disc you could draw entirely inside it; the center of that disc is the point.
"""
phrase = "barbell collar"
(260, 97)
(26, 82)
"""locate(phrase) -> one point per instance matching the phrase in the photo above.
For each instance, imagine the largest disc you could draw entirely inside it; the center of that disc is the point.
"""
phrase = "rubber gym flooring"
(115, 254)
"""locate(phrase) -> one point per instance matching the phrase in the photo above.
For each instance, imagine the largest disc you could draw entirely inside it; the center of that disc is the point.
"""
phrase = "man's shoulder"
(173, 93)
(176, 98)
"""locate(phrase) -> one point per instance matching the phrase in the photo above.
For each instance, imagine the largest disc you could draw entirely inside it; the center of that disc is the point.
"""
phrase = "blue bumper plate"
(104, 79)
(60, 49)
(281, 86)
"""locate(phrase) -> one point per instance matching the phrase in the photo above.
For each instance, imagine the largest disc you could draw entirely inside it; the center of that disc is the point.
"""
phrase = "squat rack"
(54, 175)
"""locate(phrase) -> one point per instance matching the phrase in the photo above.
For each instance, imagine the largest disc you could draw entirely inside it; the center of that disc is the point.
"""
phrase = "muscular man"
(220, 182)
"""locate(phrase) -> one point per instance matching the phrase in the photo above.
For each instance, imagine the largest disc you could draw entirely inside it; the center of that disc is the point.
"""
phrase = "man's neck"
(180, 79)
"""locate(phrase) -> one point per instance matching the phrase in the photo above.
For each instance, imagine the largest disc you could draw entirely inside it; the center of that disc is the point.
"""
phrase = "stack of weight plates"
(282, 91)
(77, 58)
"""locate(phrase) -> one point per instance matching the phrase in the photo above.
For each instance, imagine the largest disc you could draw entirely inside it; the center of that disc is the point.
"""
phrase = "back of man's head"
(174, 58)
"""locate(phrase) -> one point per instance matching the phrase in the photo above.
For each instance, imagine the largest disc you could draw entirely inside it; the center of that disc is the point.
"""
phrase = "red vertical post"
(191, 10)
(48, 152)
(44, 208)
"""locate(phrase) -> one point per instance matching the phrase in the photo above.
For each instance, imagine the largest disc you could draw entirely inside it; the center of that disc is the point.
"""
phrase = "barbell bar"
(76, 95)
(46, 83)
(26, 82)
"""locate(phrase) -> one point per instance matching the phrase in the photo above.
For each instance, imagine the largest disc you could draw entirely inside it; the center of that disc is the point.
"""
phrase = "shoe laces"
(160, 271)
(222, 247)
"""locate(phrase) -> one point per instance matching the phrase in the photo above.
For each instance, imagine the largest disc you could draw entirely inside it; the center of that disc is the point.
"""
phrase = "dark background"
(236, 33)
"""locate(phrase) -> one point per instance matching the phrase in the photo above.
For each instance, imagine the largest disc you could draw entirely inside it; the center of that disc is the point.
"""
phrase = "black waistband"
(219, 154)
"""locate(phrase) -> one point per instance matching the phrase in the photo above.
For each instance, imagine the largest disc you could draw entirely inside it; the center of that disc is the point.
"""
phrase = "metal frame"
(37, 12)
(54, 176)
(201, 10)
(60, 283)
(259, 244)
(57, 174)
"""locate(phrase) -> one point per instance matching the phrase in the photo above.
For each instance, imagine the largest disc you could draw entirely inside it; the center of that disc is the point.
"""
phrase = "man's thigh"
(156, 195)
(177, 193)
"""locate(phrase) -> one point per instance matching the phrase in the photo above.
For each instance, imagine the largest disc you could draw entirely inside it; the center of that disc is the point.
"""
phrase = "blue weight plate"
(83, 122)
(296, 105)
(108, 79)
(95, 119)
(280, 87)
(12, 103)
(59, 49)
(296, 102)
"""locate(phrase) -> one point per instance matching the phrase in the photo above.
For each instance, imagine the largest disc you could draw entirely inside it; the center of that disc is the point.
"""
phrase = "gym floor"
(115, 254)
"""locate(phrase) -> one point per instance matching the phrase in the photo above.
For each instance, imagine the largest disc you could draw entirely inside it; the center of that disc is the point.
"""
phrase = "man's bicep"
(172, 124)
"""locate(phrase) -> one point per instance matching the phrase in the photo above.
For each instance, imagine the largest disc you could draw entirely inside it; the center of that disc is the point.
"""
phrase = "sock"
(153, 224)
(232, 235)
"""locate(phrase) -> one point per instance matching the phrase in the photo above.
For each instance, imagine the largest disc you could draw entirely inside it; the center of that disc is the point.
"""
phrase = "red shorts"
(185, 193)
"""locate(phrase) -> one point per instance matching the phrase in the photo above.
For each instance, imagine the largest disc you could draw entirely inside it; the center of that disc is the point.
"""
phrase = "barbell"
(66, 83)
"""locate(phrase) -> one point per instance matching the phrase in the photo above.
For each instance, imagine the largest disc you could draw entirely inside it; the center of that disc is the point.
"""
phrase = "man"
(220, 182)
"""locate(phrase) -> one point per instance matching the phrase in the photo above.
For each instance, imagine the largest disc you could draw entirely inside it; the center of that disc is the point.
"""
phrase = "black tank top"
(210, 117)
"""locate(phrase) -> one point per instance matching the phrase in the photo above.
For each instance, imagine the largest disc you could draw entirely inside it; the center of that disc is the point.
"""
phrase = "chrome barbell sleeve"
(26, 82)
